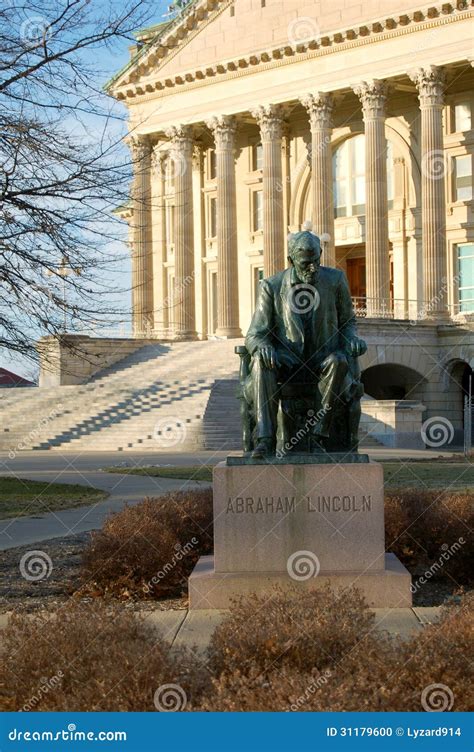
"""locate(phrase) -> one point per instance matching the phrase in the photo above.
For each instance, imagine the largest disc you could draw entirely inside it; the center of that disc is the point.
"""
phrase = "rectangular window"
(257, 157)
(462, 117)
(257, 210)
(466, 277)
(463, 178)
(212, 227)
(212, 164)
(169, 175)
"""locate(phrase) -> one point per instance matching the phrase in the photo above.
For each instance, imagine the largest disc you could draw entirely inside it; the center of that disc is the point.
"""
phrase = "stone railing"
(412, 310)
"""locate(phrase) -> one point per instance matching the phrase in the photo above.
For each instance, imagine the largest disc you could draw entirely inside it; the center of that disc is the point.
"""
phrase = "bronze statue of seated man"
(303, 331)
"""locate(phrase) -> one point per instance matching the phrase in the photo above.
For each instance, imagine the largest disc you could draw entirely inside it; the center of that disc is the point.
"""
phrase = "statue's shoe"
(263, 449)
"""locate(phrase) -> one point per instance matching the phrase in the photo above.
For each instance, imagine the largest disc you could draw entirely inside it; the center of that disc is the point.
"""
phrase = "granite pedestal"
(299, 522)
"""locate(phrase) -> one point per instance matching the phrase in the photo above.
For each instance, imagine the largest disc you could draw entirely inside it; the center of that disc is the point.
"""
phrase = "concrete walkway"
(193, 629)
(123, 489)
(86, 468)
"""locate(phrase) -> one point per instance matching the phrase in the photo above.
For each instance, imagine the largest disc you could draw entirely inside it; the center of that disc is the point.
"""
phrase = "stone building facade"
(249, 117)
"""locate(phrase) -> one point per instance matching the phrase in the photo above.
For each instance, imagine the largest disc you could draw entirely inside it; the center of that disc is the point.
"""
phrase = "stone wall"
(437, 354)
(74, 359)
(395, 423)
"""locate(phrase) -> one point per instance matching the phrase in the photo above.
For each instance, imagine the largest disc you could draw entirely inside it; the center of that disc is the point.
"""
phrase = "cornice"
(165, 48)
(136, 89)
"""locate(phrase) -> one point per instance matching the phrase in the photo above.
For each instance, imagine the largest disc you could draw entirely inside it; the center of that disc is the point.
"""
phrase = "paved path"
(82, 461)
(123, 489)
(85, 468)
(193, 629)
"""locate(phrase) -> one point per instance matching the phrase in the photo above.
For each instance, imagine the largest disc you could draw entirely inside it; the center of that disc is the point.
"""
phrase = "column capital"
(430, 82)
(319, 107)
(181, 136)
(270, 120)
(373, 96)
(140, 146)
(223, 128)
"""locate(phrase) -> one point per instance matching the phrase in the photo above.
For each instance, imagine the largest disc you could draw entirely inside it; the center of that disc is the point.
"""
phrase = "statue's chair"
(299, 404)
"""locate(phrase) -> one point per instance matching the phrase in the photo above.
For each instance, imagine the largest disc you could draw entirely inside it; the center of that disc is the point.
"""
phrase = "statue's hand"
(357, 347)
(268, 356)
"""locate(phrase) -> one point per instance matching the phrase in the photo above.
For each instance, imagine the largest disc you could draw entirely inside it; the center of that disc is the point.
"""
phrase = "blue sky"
(107, 62)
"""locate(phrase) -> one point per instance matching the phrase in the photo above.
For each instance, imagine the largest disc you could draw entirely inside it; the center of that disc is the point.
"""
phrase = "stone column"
(372, 95)
(399, 242)
(320, 107)
(224, 129)
(199, 236)
(270, 121)
(159, 240)
(181, 153)
(430, 83)
(142, 254)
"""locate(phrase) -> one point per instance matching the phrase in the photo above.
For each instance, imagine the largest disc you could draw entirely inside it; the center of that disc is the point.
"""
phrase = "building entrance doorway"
(356, 278)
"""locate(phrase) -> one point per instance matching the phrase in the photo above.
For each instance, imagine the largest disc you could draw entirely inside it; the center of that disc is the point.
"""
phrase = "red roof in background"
(7, 378)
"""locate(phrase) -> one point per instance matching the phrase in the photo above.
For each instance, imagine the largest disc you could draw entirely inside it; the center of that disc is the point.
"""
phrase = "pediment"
(213, 37)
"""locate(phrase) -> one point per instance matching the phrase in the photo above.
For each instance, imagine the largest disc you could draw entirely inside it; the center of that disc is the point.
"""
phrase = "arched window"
(349, 177)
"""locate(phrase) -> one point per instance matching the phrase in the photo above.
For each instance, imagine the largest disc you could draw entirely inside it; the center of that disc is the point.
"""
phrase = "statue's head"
(304, 253)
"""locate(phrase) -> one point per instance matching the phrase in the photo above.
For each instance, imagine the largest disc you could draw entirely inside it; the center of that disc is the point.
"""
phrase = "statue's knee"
(260, 370)
(336, 360)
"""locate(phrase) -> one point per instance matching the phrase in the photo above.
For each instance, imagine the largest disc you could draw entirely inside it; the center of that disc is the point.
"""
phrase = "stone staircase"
(167, 396)
(221, 426)
(154, 399)
(367, 441)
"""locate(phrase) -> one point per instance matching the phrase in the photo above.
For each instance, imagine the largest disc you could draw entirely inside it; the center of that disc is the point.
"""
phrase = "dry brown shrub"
(437, 655)
(377, 674)
(354, 682)
(150, 549)
(305, 629)
(440, 654)
(419, 523)
(280, 689)
(87, 657)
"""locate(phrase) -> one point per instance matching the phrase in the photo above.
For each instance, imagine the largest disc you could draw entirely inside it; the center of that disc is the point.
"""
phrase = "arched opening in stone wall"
(461, 385)
(392, 409)
(391, 381)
